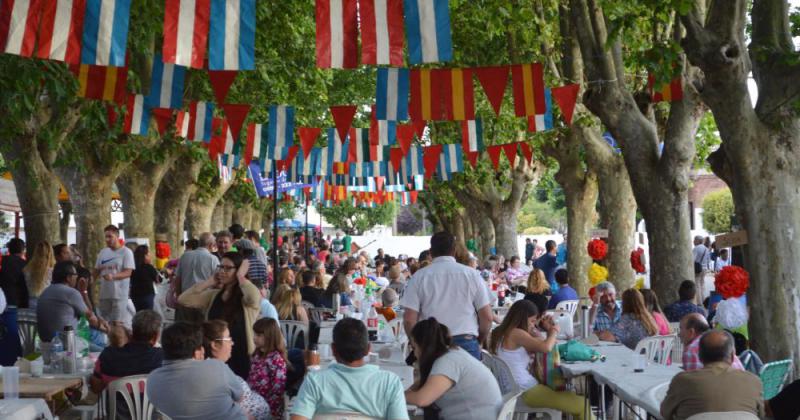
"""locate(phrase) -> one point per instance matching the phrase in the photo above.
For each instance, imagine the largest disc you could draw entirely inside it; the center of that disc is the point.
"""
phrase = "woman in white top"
(514, 340)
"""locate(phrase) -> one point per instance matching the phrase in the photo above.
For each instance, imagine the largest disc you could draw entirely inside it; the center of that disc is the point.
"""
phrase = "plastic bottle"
(70, 360)
(56, 354)
(85, 334)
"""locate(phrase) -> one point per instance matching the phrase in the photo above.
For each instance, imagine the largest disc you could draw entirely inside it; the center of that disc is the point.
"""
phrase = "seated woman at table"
(460, 386)
(537, 284)
(269, 365)
(218, 344)
(651, 303)
(339, 286)
(513, 342)
(635, 323)
(287, 302)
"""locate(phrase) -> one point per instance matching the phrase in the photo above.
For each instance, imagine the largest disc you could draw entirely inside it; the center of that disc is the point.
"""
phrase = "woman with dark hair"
(229, 296)
(143, 278)
(514, 340)
(451, 380)
(218, 344)
(340, 285)
(635, 323)
(651, 303)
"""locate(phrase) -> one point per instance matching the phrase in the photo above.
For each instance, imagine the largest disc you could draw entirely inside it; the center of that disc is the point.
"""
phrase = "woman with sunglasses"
(228, 295)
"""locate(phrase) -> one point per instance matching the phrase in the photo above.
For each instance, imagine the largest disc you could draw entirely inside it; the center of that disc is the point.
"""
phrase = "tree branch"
(771, 25)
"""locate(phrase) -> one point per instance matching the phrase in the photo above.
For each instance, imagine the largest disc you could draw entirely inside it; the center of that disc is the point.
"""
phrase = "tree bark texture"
(218, 216)
(137, 187)
(202, 207)
(580, 188)
(660, 183)
(759, 155)
(172, 200)
(227, 215)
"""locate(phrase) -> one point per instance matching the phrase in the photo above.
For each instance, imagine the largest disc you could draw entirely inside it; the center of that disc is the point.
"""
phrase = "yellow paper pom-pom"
(639, 285)
(597, 274)
(161, 263)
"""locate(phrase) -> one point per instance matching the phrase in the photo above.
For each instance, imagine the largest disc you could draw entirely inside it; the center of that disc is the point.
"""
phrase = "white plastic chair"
(134, 393)
(291, 329)
(318, 314)
(509, 402)
(657, 348)
(508, 385)
(570, 306)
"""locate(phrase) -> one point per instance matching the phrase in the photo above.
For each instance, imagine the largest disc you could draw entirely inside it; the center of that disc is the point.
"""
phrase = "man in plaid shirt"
(692, 327)
(605, 311)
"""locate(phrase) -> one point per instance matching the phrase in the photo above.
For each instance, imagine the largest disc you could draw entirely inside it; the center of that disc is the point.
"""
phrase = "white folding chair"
(291, 329)
(508, 385)
(570, 306)
(134, 392)
(657, 348)
(509, 402)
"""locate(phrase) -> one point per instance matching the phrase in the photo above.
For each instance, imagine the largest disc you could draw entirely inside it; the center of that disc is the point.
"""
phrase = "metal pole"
(305, 232)
(275, 265)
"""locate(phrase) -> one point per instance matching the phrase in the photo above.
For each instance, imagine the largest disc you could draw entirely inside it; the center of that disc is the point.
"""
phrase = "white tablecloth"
(24, 409)
(644, 389)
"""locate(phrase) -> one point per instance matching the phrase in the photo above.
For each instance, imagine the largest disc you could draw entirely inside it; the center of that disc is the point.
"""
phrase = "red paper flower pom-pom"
(636, 261)
(597, 249)
(732, 281)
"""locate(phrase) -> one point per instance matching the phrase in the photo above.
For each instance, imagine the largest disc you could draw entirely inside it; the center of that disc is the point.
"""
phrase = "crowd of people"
(225, 356)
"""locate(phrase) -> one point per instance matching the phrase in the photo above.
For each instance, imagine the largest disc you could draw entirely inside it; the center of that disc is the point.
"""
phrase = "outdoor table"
(643, 389)
(25, 409)
(46, 388)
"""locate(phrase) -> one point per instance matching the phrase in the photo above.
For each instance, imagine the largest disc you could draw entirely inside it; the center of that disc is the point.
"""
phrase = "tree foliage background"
(718, 211)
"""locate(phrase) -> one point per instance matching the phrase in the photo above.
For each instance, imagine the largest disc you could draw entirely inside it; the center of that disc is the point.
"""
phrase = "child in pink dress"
(268, 365)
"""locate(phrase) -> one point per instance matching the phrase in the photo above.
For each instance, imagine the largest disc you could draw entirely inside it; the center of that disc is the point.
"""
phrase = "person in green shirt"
(348, 243)
(336, 245)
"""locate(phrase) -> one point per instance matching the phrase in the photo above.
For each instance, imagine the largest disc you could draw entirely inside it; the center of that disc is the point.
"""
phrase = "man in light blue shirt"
(351, 385)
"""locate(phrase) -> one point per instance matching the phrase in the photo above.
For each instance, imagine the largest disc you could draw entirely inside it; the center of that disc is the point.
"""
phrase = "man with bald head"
(692, 327)
(717, 387)
(194, 267)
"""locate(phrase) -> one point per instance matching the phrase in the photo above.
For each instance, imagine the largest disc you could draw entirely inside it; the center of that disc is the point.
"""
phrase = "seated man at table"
(717, 387)
(565, 291)
(351, 385)
(685, 304)
(137, 357)
(61, 304)
(692, 328)
(605, 311)
(189, 387)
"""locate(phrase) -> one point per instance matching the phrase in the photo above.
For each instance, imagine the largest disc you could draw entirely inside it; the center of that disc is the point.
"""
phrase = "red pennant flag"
(218, 133)
(566, 97)
(430, 158)
(473, 158)
(405, 135)
(292, 154)
(343, 119)
(494, 80)
(221, 81)
(494, 155)
(396, 157)
(413, 196)
(162, 116)
(527, 151)
(510, 150)
(235, 114)
(379, 180)
(419, 128)
(308, 135)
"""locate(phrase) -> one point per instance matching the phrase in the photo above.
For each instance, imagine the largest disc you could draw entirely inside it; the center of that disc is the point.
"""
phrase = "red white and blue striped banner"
(166, 84)
(381, 32)
(137, 116)
(105, 32)
(186, 32)
(359, 145)
(382, 133)
(232, 37)
(182, 124)
(280, 131)
(451, 161)
(338, 151)
(49, 29)
(19, 22)
(472, 136)
(543, 121)
(428, 31)
(256, 143)
(201, 115)
(391, 97)
(337, 34)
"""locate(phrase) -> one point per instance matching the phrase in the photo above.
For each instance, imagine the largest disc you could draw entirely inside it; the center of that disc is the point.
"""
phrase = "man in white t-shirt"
(452, 293)
(113, 269)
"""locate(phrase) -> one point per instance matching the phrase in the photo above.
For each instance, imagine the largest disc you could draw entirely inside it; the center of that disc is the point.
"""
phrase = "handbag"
(576, 351)
(546, 368)
(698, 266)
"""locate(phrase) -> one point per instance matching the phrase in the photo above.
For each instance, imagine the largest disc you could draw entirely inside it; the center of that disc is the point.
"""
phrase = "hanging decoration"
(494, 155)
(200, 121)
(235, 114)
(732, 281)
(181, 124)
(637, 261)
(381, 32)
(566, 97)
(391, 97)
(280, 132)
(186, 25)
(166, 84)
(527, 151)
(221, 81)
(308, 136)
(543, 121)
(672, 91)
(43, 29)
(597, 249)
(428, 31)
(430, 159)
(510, 150)
(528, 89)
(162, 117)
(597, 274)
(101, 82)
(232, 35)
(405, 135)
(137, 116)
(343, 118)
(494, 81)
(256, 142)
(359, 145)
(472, 135)
(104, 38)
(337, 33)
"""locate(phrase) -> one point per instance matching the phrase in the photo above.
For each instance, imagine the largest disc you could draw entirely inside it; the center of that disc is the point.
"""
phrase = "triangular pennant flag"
(292, 153)
(221, 81)
(473, 158)
(343, 118)
(527, 151)
(419, 128)
(566, 97)
(162, 116)
(430, 159)
(396, 158)
(510, 150)
(494, 155)
(405, 135)
(379, 180)
(413, 196)
(308, 135)
(235, 114)
(494, 80)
